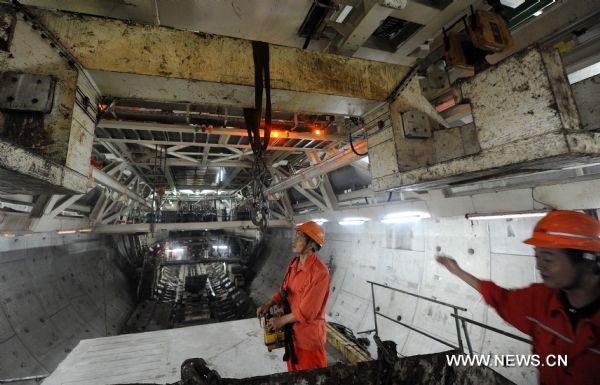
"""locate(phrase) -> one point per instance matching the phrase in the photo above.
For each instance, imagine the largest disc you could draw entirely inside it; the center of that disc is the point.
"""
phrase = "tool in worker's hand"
(274, 339)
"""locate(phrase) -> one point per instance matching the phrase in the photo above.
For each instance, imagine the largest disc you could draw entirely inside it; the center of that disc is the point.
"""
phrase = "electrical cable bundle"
(252, 117)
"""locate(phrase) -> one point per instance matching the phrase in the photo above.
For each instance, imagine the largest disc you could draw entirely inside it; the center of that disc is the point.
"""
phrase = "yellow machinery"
(274, 339)
(489, 32)
(485, 32)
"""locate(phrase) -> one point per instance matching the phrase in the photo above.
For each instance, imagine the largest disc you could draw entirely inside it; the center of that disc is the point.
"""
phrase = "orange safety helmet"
(313, 231)
(562, 229)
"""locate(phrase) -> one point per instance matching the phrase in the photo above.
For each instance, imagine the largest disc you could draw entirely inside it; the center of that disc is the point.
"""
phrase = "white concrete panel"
(571, 196)
(507, 235)
(275, 22)
(450, 207)
(406, 236)
(6, 330)
(465, 241)
(401, 269)
(336, 287)
(513, 271)
(16, 361)
(349, 309)
(511, 200)
(394, 305)
(77, 326)
(419, 344)
(46, 285)
(157, 356)
(495, 343)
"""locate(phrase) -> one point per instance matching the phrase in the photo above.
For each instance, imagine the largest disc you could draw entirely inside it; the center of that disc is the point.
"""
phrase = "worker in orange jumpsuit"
(307, 286)
(562, 315)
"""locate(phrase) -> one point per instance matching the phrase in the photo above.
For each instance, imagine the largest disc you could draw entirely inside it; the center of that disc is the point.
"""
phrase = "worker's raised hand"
(449, 263)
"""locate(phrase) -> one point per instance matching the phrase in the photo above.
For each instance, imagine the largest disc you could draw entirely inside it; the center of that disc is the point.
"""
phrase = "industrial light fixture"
(63, 232)
(405, 217)
(86, 230)
(352, 221)
(320, 221)
(221, 247)
(341, 14)
(507, 215)
(220, 175)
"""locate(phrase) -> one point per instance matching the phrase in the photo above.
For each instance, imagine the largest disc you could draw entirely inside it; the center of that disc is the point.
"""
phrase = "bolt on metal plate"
(26, 92)
(416, 124)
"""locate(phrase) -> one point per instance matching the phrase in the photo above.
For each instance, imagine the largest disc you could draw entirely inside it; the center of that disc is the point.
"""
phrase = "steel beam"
(193, 144)
(343, 158)
(205, 152)
(99, 207)
(363, 26)
(587, 98)
(64, 205)
(191, 226)
(328, 193)
(201, 261)
(126, 156)
(113, 217)
(216, 163)
(170, 178)
(165, 52)
(145, 126)
(287, 204)
(311, 197)
(108, 181)
(114, 167)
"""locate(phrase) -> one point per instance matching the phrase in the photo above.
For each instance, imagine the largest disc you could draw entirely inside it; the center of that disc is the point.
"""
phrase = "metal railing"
(458, 320)
(22, 379)
(464, 320)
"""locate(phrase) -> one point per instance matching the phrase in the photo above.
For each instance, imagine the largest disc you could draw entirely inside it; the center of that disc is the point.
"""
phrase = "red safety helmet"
(563, 229)
(313, 231)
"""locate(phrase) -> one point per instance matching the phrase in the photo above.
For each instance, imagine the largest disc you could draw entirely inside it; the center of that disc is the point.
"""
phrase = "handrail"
(514, 336)
(419, 331)
(458, 320)
(455, 309)
(21, 379)
(419, 296)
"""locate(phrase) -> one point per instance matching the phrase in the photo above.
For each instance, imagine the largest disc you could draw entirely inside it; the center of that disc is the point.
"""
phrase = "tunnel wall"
(402, 256)
(55, 291)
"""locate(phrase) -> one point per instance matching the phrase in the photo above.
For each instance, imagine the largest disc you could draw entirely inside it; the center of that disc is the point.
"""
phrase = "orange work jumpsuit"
(308, 290)
(537, 310)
